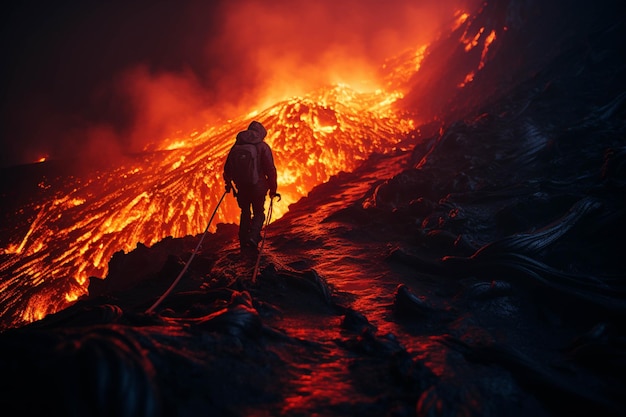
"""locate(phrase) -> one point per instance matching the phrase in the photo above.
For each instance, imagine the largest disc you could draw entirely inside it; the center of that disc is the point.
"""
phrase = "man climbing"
(250, 165)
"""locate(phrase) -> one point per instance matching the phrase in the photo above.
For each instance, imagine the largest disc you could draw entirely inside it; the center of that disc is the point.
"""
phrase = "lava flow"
(173, 193)
(68, 238)
(445, 242)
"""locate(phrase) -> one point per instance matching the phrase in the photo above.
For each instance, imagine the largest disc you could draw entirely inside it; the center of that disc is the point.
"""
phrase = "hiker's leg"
(244, 218)
(258, 217)
(244, 225)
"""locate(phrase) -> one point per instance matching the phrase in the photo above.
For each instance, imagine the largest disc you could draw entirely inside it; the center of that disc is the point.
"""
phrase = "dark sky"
(91, 77)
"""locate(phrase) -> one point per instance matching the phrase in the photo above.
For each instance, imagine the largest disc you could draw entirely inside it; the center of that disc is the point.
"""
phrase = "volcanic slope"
(59, 229)
(409, 285)
(478, 274)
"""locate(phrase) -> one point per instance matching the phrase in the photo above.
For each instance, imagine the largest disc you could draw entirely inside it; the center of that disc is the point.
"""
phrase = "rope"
(193, 254)
(267, 222)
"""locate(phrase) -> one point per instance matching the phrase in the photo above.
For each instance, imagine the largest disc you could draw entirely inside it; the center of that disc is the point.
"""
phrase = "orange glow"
(72, 296)
(471, 42)
(488, 40)
(173, 192)
(461, 17)
(404, 66)
(468, 79)
(11, 249)
(176, 145)
(338, 113)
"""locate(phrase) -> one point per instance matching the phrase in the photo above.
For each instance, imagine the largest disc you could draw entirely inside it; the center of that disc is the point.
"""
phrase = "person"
(251, 197)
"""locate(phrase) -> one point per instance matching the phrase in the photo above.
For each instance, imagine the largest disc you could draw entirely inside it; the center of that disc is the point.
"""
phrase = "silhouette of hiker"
(250, 165)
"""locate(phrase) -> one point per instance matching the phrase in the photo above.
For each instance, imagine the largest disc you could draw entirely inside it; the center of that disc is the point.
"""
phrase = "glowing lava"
(173, 190)
(173, 193)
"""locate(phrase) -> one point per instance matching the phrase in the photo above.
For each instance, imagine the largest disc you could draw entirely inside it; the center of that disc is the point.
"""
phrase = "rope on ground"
(193, 254)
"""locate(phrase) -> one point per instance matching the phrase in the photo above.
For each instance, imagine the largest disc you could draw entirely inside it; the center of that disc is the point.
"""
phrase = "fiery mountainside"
(450, 249)
(58, 241)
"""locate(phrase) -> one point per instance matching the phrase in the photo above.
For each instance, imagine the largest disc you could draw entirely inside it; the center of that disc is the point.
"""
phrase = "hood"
(248, 136)
(258, 128)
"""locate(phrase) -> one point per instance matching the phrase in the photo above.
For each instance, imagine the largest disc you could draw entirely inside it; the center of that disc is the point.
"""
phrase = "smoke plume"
(100, 79)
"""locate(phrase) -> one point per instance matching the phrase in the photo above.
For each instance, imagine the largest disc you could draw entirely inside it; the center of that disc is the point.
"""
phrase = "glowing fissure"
(469, 45)
(472, 42)
(461, 17)
(488, 40)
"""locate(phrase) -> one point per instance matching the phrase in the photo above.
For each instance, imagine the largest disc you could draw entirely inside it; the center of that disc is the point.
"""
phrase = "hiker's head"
(258, 128)
(248, 136)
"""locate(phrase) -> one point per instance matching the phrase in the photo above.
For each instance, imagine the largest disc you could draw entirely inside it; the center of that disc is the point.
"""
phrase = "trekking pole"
(193, 254)
(258, 258)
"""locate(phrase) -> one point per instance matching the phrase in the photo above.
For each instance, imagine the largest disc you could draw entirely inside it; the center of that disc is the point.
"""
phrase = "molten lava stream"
(174, 192)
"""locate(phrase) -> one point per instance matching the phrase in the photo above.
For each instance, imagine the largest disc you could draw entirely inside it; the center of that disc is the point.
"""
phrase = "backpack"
(244, 163)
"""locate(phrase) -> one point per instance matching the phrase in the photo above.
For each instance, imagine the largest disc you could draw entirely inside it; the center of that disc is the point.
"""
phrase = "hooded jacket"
(256, 134)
